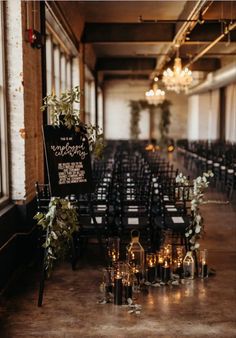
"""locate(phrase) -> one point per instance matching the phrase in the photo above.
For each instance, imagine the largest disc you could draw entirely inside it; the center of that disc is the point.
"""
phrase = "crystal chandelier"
(177, 79)
(155, 95)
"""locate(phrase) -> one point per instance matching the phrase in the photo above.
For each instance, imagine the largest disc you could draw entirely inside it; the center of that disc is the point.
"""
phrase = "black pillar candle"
(179, 271)
(204, 271)
(158, 268)
(118, 291)
(138, 276)
(109, 288)
(151, 274)
(128, 291)
(165, 274)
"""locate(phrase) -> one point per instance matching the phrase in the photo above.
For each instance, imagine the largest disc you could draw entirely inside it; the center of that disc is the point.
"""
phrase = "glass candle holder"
(203, 268)
(113, 248)
(128, 286)
(151, 267)
(165, 272)
(123, 269)
(160, 262)
(188, 266)
(150, 260)
(168, 253)
(108, 279)
(178, 260)
(135, 255)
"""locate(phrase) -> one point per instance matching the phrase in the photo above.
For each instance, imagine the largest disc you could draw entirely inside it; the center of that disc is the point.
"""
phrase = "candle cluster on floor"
(168, 266)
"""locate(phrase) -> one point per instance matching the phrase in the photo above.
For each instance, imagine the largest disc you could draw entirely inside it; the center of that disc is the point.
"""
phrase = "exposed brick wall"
(15, 102)
(32, 103)
(24, 101)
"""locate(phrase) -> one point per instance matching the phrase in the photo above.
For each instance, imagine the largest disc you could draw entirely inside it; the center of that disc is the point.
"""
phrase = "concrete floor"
(200, 308)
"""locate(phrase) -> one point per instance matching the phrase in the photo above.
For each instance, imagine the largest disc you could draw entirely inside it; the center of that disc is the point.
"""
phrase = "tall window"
(89, 91)
(61, 57)
(59, 67)
(4, 191)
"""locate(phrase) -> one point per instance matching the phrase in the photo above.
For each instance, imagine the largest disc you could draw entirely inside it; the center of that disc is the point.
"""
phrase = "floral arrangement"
(62, 112)
(60, 222)
(196, 227)
(138, 106)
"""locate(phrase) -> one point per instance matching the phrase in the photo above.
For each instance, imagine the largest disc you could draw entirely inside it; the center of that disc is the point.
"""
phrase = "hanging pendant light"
(155, 95)
(177, 79)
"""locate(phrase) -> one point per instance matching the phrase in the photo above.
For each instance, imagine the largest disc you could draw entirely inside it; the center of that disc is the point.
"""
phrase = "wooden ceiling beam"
(130, 64)
(203, 64)
(108, 77)
(145, 64)
(128, 32)
(208, 32)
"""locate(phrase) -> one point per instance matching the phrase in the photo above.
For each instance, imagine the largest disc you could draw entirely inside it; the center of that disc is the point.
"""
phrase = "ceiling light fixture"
(177, 79)
(155, 95)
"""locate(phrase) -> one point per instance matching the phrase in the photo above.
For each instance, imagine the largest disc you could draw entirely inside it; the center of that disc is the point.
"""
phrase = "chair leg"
(186, 244)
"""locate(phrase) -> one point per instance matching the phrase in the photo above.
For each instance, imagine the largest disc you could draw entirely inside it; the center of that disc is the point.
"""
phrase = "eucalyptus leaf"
(63, 113)
(60, 222)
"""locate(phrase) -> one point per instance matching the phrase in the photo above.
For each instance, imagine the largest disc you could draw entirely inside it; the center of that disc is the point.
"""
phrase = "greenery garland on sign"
(196, 227)
(138, 106)
(62, 112)
(60, 222)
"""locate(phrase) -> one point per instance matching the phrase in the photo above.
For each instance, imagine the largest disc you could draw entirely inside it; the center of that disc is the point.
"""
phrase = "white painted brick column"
(15, 98)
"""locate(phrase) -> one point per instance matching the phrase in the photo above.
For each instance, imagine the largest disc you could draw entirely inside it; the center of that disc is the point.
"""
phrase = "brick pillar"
(24, 101)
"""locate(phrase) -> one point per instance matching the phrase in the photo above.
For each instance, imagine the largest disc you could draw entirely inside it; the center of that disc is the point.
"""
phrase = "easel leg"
(42, 280)
(73, 251)
(42, 275)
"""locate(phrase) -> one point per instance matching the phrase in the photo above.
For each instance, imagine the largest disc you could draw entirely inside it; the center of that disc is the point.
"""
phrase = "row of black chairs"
(201, 157)
(134, 189)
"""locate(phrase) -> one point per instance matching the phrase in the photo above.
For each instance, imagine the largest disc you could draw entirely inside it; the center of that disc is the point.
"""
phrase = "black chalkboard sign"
(68, 161)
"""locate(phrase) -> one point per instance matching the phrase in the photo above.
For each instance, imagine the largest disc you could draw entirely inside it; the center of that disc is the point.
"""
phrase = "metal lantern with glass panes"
(135, 255)
(113, 248)
(188, 265)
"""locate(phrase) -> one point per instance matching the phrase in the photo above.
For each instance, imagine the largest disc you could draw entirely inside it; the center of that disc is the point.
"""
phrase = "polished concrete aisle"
(200, 308)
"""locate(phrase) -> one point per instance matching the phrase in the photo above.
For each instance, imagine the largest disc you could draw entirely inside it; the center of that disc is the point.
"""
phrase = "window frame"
(4, 166)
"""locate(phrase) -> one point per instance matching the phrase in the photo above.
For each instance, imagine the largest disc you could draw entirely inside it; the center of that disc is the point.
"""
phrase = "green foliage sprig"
(165, 120)
(138, 106)
(196, 227)
(60, 222)
(62, 112)
(135, 118)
